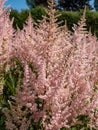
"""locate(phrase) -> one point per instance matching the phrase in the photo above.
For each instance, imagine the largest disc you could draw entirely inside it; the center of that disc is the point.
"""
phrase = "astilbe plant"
(6, 38)
(60, 74)
(83, 74)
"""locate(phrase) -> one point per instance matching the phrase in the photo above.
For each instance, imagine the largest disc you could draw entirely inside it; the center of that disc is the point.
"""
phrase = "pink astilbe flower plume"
(6, 31)
(83, 71)
(60, 72)
(6, 38)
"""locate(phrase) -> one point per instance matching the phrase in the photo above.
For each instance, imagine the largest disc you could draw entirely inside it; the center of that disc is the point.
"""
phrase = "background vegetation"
(70, 17)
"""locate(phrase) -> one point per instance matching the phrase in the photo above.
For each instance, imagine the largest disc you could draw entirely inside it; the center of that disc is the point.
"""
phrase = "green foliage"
(92, 21)
(30, 3)
(36, 125)
(96, 5)
(82, 123)
(21, 17)
(34, 70)
(70, 18)
(34, 3)
(2, 120)
(73, 4)
(12, 78)
(61, 4)
(38, 12)
(17, 19)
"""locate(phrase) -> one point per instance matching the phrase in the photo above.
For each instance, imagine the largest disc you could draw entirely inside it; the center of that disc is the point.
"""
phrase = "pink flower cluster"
(65, 69)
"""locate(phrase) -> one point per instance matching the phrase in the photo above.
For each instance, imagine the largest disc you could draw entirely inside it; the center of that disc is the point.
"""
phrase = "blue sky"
(17, 4)
(21, 4)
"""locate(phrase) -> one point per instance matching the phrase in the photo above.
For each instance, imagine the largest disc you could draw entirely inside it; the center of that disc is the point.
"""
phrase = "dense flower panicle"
(60, 72)
(6, 31)
(16, 117)
(6, 40)
(83, 74)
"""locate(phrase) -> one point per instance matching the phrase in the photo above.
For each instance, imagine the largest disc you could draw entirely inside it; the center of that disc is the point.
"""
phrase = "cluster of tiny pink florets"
(67, 67)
